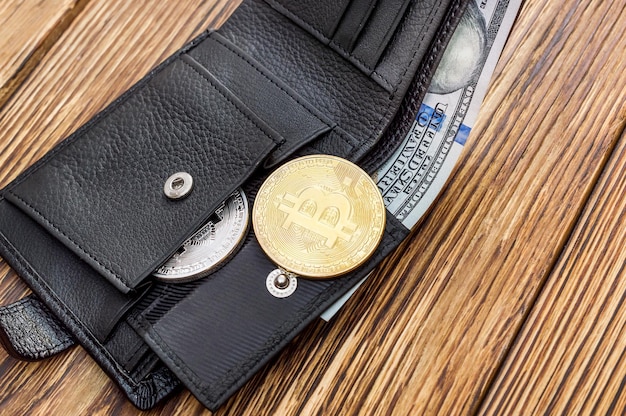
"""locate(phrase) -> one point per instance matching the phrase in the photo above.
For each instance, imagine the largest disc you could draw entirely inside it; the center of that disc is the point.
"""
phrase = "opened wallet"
(88, 224)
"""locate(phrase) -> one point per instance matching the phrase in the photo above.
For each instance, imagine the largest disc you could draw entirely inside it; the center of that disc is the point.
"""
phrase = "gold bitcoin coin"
(319, 216)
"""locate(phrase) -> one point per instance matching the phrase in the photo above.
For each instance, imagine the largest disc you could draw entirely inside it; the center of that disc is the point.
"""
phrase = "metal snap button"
(281, 284)
(178, 186)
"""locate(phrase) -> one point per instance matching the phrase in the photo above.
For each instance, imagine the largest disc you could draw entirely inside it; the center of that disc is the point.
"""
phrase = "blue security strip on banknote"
(461, 135)
(414, 172)
(413, 177)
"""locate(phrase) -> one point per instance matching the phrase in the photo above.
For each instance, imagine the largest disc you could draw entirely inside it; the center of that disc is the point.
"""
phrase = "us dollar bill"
(414, 175)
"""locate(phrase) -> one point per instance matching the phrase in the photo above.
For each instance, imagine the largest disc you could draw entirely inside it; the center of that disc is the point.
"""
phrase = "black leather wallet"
(88, 224)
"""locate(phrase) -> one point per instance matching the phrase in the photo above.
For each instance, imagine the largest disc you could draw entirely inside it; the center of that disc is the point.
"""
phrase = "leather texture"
(97, 304)
(270, 98)
(180, 120)
(280, 79)
(78, 297)
(28, 331)
(255, 332)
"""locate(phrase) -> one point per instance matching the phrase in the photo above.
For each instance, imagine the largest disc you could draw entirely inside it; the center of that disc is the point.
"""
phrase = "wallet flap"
(59, 277)
(235, 335)
(103, 195)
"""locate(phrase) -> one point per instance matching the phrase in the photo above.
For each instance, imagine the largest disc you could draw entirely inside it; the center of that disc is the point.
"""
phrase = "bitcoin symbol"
(318, 216)
(319, 212)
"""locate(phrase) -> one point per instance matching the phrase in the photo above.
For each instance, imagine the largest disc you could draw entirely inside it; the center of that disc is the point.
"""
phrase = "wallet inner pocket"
(290, 115)
(101, 192)
(359, 30)
(61, 278)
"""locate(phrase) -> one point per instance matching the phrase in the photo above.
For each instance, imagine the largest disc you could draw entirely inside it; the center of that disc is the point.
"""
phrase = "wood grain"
(570, 356)
(435, 331)
(428, 333)
(27, 31)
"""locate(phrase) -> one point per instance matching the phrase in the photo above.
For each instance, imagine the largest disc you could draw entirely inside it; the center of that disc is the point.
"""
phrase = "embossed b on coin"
(319, 216)
(211, 245)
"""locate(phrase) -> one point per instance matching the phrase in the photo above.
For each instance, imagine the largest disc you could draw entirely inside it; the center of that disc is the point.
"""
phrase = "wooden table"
(508, 299)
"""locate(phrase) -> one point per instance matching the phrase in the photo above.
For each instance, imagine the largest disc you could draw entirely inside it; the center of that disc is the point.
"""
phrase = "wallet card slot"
(361, 102)
(223, 352)
(296, 120)
(321, 18)
(361, 33)
(101, 191)
(353, 22)
(377, 32)
(68, 279)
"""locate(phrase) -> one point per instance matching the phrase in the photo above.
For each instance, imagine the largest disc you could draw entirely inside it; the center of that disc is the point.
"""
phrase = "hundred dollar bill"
(413, 177)
(416, 173)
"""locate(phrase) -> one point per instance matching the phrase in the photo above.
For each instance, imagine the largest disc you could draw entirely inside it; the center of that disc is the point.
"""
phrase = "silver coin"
(211, 245)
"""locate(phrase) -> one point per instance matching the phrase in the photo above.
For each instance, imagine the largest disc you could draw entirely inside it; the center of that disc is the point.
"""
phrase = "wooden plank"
(570, 357)
(427, 333)
(27, 31)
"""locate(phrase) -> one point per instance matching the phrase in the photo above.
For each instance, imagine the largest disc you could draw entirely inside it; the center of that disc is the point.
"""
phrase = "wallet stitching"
(291, 14)
(131, 387)
(430, 54)
(312, 306)
(380, 76)
(427, 66)
(142, 364)
(304, 105)
(260, 127)
(69, 239)
(43, 286)
(116, 274)
(406, 69)
(35, 277)
(192, 378)
(371, 69)
(113, 106)
(338, 129)
(397, 85)
(172, 358)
